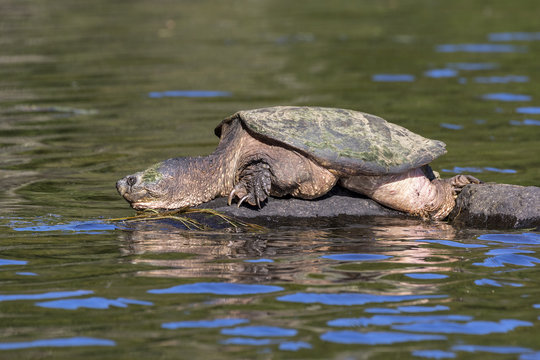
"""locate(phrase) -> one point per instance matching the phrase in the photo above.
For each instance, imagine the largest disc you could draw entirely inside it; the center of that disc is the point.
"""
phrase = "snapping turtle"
(303, 152)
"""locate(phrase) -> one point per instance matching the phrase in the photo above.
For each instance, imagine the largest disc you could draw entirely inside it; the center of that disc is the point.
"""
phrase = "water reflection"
(355, 257)
(426, 276)
(260, 331)
(393, 78)
(75, 114)
(434, 354)
(188, 93)
(91, 303)
(471, 327)
(472, 66)
(83, 227)
(441, 73)
(503, 79)
(62, 342)
(376, 337)
(480, 48)
(46, 295)
(453, 243)
(506, 97)
(12, 262)
(294, 345)
(491, 282)
(216, 323)
(407, 309)
(385, 320)
(528, 110)
(514, 36)
(268, 256)
(452, 126)
(468, 169)
(525, 122)
(218, 289)
(349, 299)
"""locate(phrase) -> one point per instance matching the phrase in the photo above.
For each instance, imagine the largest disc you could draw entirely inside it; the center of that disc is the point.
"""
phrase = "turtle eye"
(131, 180)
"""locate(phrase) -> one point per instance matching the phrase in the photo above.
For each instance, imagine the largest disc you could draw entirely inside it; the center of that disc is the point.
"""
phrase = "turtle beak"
(127, 187)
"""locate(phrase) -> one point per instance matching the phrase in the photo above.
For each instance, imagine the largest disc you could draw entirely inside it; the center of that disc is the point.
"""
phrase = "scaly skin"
(250, 169)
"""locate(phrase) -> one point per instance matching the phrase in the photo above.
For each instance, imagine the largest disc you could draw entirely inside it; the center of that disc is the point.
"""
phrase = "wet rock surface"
(497, 206)
(493, 206)
(337, 202)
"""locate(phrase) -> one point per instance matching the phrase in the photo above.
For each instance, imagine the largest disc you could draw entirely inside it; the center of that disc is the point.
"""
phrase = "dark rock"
(491, 206)
(337, 202)
(497, 206)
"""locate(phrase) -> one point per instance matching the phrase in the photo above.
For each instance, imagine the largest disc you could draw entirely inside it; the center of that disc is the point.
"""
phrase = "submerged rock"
(497, 206)
(494, 206)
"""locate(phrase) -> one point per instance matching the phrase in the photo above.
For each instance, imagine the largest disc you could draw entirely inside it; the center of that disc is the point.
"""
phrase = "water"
(90, 92)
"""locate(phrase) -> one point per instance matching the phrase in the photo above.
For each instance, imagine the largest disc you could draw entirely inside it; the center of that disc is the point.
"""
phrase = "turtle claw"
(231, 196)
(242, 200)
(253, 186)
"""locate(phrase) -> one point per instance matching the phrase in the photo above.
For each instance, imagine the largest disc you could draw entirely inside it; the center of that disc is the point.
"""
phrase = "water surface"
(92, 91)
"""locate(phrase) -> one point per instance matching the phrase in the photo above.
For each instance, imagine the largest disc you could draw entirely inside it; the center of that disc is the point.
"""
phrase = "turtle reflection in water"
(303, 152)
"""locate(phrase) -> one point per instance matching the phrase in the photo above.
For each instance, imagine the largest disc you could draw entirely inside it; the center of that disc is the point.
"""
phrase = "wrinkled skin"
(250, 169)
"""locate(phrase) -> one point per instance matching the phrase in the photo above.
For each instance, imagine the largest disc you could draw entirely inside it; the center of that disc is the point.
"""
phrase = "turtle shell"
(345, 140)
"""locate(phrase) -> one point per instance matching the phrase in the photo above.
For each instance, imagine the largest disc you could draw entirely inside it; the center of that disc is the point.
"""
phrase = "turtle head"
(165, 185)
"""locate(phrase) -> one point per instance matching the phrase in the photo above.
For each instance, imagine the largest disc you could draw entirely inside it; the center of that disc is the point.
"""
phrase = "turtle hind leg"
(458, 182)
(254, 183)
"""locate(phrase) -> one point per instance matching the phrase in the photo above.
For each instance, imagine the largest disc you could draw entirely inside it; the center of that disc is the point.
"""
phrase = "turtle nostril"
(131, 180)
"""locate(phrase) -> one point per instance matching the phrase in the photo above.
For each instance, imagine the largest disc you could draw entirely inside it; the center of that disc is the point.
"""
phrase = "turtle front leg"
(254, 183)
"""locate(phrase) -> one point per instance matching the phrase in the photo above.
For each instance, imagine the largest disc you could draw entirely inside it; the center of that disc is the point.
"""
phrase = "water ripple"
(511, 259)
(216, 323)
(441, 73)
(490, 282)
(91, 303)
(294, 345)
(188, 94)
(426, 276)
(247, 341)
(518, 239)
(472, 66)
(506, 97)
(218, 289)
(393, 78)
(471, 328)
(259, 261)
(480, 48)
(514, 36)
(351, 298)
(87, 227)
(434, 354)
(355, 257)
(385, 320)
(260, 331)
(47, 295)
(501, 79)
(376, 337)
(528, 110)
(529, 122)
(453, 244)
(492, 349)
(469, 169)
(12, 262)
(61, 342)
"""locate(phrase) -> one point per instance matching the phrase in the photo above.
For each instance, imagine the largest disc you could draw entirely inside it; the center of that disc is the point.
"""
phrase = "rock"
(491, 206)
(497, 206)
(337, 202)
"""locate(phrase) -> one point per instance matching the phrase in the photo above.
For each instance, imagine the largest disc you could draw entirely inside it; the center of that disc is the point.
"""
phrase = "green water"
(76, 114)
